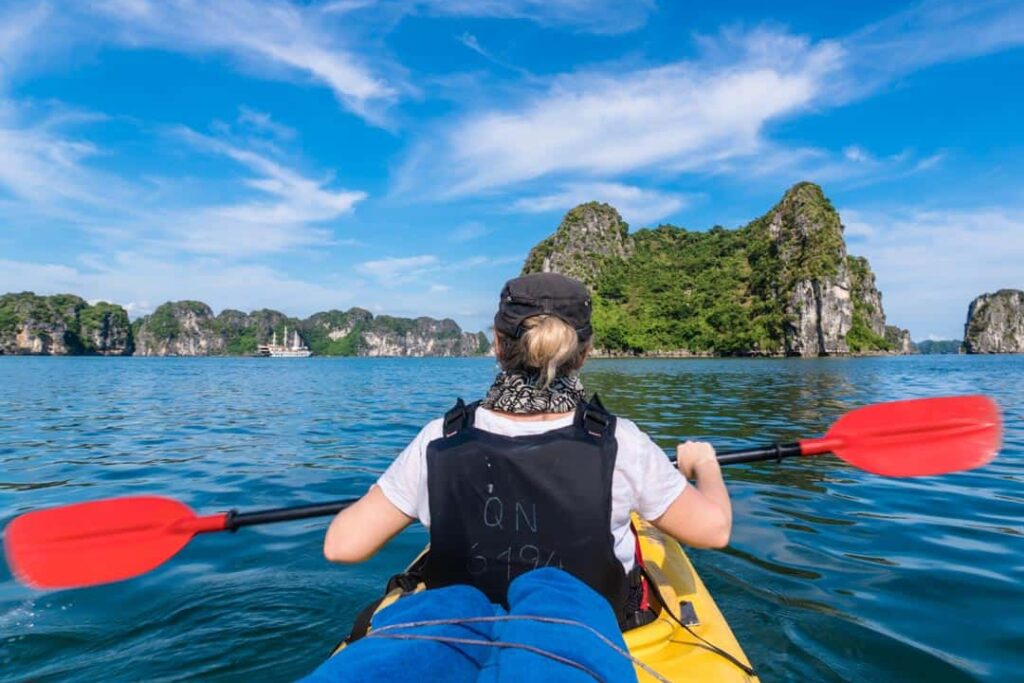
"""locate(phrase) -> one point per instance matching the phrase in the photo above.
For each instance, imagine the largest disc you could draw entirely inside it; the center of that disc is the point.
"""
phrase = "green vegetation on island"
(782, 284)
(939, 346)
(62, 324)
(65, 324)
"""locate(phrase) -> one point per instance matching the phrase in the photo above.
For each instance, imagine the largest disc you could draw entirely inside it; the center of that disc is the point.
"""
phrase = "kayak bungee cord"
(748, 670)
(383, 632)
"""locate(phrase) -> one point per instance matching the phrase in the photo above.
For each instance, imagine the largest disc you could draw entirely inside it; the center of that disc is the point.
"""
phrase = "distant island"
(939, 346)
(995, 323)
(64, 324)
(783, 285)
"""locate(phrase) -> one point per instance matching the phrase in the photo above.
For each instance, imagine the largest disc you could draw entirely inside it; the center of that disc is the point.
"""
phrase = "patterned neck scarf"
(516, 392)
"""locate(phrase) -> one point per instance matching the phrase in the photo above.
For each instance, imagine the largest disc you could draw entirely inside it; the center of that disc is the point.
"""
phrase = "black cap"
(539, 294)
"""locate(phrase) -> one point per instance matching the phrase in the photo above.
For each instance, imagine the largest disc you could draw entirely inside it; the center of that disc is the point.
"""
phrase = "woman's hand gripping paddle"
(110, 540)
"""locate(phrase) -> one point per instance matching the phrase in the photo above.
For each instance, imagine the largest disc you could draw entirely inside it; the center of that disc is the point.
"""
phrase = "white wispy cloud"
(703, 115)
(393, 270)
(263, 122)
(275, 38)
(852, 166)
(590, 16)
(287, 212)
(926, 34)
(471, 230)
(637, 205)
(931, 262)
(51, 169)
(473, 43)
(51, 174)
(682, 116)
(40, 166)
(19, 26)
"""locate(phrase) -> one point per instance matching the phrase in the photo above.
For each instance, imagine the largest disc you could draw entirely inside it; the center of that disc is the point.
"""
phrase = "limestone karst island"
(782, 285)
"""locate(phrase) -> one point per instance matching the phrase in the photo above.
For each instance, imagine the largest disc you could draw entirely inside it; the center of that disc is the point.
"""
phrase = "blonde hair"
(548, 345)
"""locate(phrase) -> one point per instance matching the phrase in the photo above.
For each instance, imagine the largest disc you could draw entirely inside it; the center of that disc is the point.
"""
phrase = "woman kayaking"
(534, 475)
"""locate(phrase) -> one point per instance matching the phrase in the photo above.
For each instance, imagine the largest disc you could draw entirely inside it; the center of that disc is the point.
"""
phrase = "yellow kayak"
(665, 646)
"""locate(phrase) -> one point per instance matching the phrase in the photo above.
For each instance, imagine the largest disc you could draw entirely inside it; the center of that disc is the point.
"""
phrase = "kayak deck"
(664, 645)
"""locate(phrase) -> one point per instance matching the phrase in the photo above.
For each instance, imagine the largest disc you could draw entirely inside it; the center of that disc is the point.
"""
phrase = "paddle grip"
(775, 451)
(237, 520)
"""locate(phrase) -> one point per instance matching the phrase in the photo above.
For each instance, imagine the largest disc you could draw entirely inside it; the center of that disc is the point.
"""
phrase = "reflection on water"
(832, 574)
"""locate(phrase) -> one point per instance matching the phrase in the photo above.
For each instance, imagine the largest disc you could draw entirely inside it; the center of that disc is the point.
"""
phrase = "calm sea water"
(832, 574)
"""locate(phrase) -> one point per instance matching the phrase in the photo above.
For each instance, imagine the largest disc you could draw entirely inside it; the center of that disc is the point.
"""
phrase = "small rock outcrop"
(995, 323)
(62, 324)
(899, 340)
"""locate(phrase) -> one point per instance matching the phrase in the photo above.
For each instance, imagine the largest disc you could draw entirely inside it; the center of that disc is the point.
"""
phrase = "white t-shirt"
(644, 480)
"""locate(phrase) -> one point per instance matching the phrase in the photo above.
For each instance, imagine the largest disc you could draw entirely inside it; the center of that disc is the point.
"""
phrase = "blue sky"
(404, 155)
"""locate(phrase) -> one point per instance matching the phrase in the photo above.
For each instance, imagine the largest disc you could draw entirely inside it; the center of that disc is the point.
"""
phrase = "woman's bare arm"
(701, 516)
(360, 530)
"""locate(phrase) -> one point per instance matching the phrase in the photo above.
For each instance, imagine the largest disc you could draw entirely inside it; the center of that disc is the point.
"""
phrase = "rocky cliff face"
(807, 239)
(784, 284)
(867, 300)
(337, 333)
(62, 324)
(388, 336)
(358, 332)
(189, 328)
(589, 235)
(995, 323)
(67, 324)
(178, 328)
(899, 340)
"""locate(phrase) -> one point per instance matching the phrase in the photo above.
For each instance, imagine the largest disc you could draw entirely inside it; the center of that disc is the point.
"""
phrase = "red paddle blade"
(92, 543)
(916, 438)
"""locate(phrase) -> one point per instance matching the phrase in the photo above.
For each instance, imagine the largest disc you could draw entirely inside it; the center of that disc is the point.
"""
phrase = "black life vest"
(501, 506)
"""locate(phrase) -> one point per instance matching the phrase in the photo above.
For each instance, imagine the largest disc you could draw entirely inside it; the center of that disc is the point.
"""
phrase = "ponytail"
(547, 345)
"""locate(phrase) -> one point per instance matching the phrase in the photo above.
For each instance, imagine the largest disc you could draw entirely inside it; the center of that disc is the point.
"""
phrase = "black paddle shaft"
(774, 451)
(238, 520)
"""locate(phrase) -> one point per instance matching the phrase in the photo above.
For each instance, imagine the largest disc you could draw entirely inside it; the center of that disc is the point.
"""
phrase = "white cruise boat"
(274, 350)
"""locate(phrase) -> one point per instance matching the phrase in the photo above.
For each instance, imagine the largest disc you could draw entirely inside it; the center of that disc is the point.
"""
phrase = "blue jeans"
(547, 592)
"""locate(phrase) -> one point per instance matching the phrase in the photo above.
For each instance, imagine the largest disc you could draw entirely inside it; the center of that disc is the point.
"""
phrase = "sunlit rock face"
(995, 323)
